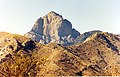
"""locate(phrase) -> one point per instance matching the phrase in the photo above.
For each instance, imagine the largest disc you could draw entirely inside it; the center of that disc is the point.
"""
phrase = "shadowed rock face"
(38, 26)
(53, 28)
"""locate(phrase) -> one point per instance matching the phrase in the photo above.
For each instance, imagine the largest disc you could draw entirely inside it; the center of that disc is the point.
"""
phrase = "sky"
(19, 16)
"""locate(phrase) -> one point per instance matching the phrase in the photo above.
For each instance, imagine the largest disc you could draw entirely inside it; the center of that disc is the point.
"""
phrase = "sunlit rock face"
(53, 28)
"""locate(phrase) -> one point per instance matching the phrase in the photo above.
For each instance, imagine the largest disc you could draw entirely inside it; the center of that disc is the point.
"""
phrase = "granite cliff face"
(53, 28)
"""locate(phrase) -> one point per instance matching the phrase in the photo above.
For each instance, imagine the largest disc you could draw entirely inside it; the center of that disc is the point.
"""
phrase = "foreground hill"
(98, 55)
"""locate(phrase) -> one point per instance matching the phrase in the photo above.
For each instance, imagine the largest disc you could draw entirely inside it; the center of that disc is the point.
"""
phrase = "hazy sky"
(18, 16)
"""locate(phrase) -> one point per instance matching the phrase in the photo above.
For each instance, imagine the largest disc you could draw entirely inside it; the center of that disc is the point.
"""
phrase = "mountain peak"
(53, 12)
(53, 28)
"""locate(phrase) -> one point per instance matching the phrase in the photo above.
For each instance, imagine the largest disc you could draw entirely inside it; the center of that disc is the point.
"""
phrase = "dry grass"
(95, 57)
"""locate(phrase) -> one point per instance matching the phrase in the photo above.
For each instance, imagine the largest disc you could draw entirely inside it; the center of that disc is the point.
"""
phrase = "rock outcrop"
(53, 28)
(10, 43)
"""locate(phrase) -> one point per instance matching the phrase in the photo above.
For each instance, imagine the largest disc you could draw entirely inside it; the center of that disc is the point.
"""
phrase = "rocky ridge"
(84, 36)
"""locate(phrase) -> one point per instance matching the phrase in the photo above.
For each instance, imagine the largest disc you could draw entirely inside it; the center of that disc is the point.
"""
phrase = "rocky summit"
(53, 28)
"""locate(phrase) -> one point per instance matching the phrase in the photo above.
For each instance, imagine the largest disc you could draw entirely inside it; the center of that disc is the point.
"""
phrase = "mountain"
(84, 36)
(98, 55)
(53, 28)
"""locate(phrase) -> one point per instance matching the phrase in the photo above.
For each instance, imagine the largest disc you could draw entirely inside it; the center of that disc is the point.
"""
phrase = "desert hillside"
(98, 55)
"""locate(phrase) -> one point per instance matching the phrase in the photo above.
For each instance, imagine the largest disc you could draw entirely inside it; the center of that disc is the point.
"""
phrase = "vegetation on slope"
(22, 57)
